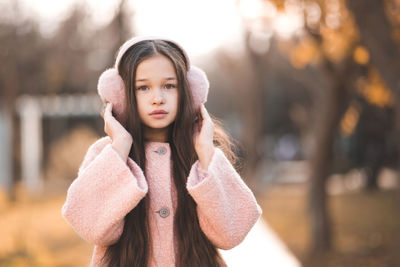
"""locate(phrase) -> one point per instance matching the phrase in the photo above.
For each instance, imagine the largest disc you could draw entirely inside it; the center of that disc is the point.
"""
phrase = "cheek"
(176, 103)
(174, 98)
(140, 103)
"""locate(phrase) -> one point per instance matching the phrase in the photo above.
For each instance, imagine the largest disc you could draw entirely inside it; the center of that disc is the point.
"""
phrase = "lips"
(158, 111)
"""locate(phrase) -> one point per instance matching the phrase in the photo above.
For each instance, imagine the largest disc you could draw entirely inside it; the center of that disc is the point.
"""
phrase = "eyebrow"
(168, 79)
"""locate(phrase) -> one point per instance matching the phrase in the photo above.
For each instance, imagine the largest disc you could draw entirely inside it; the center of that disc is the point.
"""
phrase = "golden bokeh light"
(375, 91)
(361, 55)
(350, 119)
(306, 52)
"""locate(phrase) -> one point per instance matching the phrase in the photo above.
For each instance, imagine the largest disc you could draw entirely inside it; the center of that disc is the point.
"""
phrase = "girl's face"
(156, 95)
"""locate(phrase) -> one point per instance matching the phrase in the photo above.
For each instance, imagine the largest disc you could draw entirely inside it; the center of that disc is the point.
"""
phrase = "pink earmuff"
(111, 87)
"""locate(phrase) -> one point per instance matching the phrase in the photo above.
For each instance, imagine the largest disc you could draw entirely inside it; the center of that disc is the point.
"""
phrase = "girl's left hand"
(203, 138)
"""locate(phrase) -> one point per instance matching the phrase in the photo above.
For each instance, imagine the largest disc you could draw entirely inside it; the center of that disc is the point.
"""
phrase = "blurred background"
(309, 89)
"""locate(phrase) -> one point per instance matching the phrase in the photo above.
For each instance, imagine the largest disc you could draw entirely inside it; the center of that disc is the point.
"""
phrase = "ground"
(366, 226)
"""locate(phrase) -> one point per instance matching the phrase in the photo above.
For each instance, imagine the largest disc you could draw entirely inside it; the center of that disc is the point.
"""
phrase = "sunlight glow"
(251, 9)
(198, 26)
(288, 23)
(313, 14)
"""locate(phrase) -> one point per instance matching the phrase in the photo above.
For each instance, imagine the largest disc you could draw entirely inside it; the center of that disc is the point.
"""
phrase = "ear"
(111, 88)
(199, 85)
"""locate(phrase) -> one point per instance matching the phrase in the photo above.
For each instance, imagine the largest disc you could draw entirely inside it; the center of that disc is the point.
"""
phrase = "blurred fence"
(31, 111)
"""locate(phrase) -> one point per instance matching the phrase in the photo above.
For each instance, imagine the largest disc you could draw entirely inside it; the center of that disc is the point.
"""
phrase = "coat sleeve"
(226, 207)
(105, 190)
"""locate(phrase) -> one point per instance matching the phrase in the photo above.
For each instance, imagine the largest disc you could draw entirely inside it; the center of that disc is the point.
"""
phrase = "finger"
(102, 111)
(108, 109)
(197, 127)
(204, 112)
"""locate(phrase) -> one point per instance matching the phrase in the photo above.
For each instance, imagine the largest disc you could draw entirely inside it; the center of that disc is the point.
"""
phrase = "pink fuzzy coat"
(107, 188)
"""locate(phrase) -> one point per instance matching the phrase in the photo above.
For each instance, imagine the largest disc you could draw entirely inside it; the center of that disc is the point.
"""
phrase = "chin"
(160, 125)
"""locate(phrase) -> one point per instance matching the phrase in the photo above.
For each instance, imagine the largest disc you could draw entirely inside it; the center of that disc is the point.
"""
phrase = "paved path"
(261, 248)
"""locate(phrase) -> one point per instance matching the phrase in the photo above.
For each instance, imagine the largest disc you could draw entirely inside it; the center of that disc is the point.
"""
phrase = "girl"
(158, 189)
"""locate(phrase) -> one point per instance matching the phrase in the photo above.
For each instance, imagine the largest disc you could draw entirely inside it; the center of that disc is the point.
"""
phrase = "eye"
(170, 86)
(142, 88)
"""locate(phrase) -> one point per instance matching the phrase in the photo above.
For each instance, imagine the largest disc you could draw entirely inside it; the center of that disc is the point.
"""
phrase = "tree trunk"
(330, 113)
(332, 104)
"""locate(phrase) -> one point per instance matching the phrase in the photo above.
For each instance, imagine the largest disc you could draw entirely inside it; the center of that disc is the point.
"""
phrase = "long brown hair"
(134, 246)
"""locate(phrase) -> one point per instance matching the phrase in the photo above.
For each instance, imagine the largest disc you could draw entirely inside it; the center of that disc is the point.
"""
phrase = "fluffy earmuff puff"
(111, 88)
(199, 85)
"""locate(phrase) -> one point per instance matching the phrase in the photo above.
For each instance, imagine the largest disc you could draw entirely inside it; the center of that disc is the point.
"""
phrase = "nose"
(158, 96)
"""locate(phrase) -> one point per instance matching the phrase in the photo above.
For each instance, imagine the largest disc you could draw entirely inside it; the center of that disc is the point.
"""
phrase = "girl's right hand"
(121, 139)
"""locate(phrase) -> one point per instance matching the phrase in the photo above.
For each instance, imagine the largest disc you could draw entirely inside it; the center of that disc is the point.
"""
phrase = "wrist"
(122, 147)
(205, 157)
(126, 138)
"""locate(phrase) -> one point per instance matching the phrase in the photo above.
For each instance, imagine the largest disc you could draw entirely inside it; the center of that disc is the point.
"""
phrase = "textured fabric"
(107, 188)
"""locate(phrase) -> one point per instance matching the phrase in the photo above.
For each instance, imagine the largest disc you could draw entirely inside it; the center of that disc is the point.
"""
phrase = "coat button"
(164, 212)
(161, 150)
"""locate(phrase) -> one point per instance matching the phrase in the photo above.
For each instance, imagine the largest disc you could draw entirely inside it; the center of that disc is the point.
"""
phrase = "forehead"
(156, 66)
